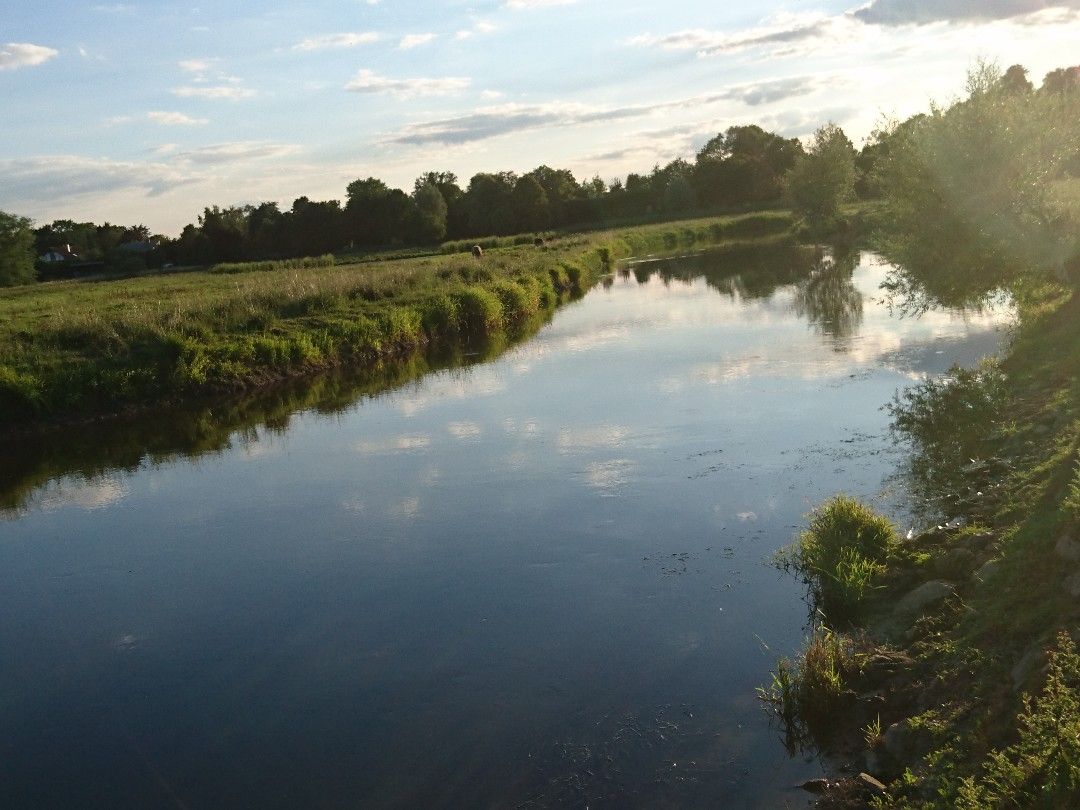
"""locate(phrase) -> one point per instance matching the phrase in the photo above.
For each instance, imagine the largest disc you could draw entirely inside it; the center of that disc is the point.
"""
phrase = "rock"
(1067, 548)
(873, 761)
(918, 601)
(817, 786)
(867, 781)
(895, 740)
(988, 571)
(1030, 663)
(957, 562)
(1072, 585)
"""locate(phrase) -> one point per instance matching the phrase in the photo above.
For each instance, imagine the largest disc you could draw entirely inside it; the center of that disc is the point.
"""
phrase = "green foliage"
(969, 191)
(69, 347)
(808, 694)
(1041, 769)
(823, 180)
(16, 251)
(431, 214)
(843, 553)
(306, 263)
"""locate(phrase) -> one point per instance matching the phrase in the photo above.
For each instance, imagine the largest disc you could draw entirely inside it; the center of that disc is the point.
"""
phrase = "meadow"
(75, 348)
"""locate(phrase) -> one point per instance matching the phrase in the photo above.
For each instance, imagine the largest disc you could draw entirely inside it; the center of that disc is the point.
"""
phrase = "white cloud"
(239, 151)
(783, 35)
(24, 54)
(346, 40)
(478, 27)
(367, 81)
(410, 41)
(530, 4)
(43, 180)
(196, 65)
(217, 92)
(918, 12)
(494, 121)
(175, 119)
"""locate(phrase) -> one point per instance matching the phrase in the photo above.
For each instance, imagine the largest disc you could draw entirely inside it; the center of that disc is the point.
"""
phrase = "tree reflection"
(829, 299)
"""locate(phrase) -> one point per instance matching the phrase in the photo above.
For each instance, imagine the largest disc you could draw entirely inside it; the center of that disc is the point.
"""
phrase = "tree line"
(745, 166)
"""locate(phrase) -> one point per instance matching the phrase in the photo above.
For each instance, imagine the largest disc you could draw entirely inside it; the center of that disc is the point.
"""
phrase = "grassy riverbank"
(960, 674)
(70, 349)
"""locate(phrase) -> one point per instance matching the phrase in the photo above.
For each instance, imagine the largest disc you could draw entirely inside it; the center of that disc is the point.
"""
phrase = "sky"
(145, 112)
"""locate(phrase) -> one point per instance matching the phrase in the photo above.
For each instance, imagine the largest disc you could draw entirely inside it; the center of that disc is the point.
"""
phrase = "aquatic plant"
(806, 694)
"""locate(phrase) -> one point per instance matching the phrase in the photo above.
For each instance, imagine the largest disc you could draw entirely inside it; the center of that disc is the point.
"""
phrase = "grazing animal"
(539, 241)
(477, 252)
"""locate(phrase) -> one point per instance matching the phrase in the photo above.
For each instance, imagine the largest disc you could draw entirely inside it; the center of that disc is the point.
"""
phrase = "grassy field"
(73, 348)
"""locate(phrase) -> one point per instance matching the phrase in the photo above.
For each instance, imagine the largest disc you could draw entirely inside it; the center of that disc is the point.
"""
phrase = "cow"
(477, 252)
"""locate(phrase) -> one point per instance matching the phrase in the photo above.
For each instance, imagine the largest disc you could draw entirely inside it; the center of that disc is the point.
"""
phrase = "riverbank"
(959, 684)
(70, 350)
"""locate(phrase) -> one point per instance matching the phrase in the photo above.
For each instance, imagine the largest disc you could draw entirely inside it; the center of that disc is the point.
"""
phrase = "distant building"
(63, 253)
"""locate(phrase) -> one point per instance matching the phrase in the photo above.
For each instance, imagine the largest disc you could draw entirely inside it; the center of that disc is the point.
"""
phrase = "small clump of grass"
(843, 555)
(808, 694)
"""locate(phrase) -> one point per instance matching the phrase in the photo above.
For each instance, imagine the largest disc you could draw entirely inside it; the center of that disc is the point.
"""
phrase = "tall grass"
(843, 554)
(808, 694)
(305, 263)
(71, 347)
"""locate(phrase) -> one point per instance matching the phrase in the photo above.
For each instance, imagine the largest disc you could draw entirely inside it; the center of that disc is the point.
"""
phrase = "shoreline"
(965, 642)
(101, 363)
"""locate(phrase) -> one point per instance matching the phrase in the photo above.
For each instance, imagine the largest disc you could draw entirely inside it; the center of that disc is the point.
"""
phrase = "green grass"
(809, 694)
(71, 348)
(843, 554)
(305, 263)
(997, 747)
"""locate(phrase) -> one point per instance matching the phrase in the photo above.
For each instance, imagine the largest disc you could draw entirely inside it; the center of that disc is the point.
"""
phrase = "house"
(63, 253)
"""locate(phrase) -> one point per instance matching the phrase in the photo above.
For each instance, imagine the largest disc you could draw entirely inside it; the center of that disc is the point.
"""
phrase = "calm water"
(540, 580)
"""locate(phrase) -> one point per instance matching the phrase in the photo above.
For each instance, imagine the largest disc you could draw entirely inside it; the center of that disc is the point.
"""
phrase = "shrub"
(19, 393)
(1042, 769)
(515, 300)
(1072, 499)
(481, 310)
(441, 315)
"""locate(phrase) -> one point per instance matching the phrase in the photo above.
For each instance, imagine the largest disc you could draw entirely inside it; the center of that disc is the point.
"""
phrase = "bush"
(1042, 769)
(515, 300)
(481, 310)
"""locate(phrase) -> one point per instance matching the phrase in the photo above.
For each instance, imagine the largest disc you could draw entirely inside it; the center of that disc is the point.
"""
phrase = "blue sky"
(147, 111)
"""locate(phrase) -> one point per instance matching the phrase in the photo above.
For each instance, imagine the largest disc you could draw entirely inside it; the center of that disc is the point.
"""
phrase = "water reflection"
(829, 299)
(529, 578)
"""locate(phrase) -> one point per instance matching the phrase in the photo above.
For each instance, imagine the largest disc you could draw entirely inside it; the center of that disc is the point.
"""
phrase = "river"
(538, 580)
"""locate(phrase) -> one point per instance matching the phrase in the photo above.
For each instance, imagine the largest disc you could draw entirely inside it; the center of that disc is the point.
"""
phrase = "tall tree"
(745, 164)
(532, 211)
(429, 215)
(16, 250)
(489, 204)
(1015, 81)
(824, 178)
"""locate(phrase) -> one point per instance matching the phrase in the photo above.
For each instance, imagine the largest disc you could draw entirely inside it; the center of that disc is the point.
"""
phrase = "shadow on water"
(824, 296)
